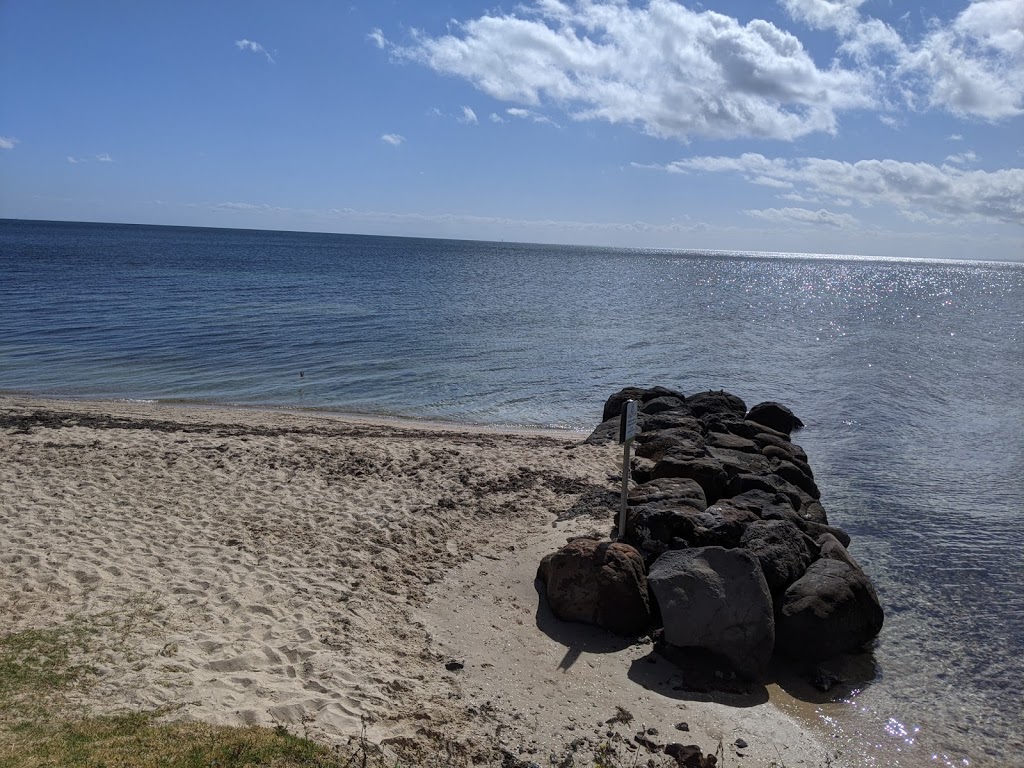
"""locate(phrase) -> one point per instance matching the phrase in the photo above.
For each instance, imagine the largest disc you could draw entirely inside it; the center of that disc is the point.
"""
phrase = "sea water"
(908, 374)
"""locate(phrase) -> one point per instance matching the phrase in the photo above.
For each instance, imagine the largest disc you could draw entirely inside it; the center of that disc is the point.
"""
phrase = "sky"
(875, 127)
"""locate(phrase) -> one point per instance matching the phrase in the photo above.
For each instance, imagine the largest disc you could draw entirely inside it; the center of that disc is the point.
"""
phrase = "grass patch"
(137, 740)
(41, 726)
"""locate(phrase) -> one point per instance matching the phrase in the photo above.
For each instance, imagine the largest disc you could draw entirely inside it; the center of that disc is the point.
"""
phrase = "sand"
(257, 567)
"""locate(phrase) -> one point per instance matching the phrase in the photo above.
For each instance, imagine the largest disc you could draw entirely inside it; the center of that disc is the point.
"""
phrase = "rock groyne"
(728, 552)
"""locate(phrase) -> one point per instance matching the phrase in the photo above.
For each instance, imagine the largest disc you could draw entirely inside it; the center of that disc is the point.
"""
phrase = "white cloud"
(680, 73)
(496, 118)
(962, 158)
(970, 66)
(529, 114)
(75, 160)
(250, 45)
(674, 72)
(104, 157)
(955, 137)
(889, 121)
(805, 216)
(951, 193)
(6, 142)
(394, 139)
(468, 117)
(378, 38)
(975, 65)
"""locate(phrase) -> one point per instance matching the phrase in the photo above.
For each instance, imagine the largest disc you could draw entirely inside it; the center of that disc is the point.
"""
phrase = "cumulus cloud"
(104, 157)
(251, 45)
(805, 216)
(949, 192)
(972, 65)
(75, 160)
(672, 71)
(394, 139)
(496, 118)
(468, 117)
(975, 65)
(676, 72)
(6, 142)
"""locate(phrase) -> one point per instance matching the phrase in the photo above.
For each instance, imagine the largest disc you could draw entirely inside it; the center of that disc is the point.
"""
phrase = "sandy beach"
(257, 567)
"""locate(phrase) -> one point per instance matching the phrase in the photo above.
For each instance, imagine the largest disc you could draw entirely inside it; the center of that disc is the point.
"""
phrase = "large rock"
(716, 599)
(721, 403)
(707, 471)
(613, 405)
(776, 416)
(782, 549)
(800, 476)
(673, 524)
(661, 404)
(677, 489)
(680, 442)
(598, 582)
(679, 418)
(831, 609)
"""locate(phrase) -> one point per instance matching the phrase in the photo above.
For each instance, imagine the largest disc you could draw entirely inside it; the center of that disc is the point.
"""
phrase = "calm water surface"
(907, 373)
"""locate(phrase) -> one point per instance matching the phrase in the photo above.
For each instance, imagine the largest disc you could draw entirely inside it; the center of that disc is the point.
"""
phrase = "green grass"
(40, 725)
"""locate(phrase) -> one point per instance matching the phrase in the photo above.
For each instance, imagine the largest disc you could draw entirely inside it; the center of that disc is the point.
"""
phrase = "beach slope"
(324, 573)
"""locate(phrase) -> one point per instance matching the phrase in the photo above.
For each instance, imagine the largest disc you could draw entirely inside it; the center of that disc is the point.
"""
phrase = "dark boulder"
(765, 439)
(598, 582)
(812, 511)
(721, 403)
(652, 393)
(679, 418)
(771, 484)
(679, 489)
(739, 462)
(707, 471)
(732, 442)
(782, 549)
(663, 525)
(723, 524)
(661, 404)
(716, 599)
(831, 609)
(793, 473)
(677, 442)
(776, 416)
(613, 405)
(605, 432)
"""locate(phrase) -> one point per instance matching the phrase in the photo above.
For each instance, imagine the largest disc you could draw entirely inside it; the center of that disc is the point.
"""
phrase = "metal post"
(625, 488)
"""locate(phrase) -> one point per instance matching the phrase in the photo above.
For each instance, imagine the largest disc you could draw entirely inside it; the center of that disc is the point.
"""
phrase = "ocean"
(907, 372)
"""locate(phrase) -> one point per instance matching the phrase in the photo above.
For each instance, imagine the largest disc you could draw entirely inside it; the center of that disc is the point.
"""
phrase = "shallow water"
(907, 373)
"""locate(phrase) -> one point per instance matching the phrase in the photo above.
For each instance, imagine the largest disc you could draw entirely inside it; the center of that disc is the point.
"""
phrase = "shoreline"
(315, 570)
(349, 417)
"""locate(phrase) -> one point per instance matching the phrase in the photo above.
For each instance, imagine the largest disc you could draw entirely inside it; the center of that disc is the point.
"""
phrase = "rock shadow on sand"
(578, 638)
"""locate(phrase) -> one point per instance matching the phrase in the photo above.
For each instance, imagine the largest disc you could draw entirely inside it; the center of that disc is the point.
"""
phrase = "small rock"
(454, 665)
(652, 731)
(682, 726)
(740, 744)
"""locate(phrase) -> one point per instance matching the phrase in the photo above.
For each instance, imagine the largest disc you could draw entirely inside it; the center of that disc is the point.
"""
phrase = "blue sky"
(844, 126)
